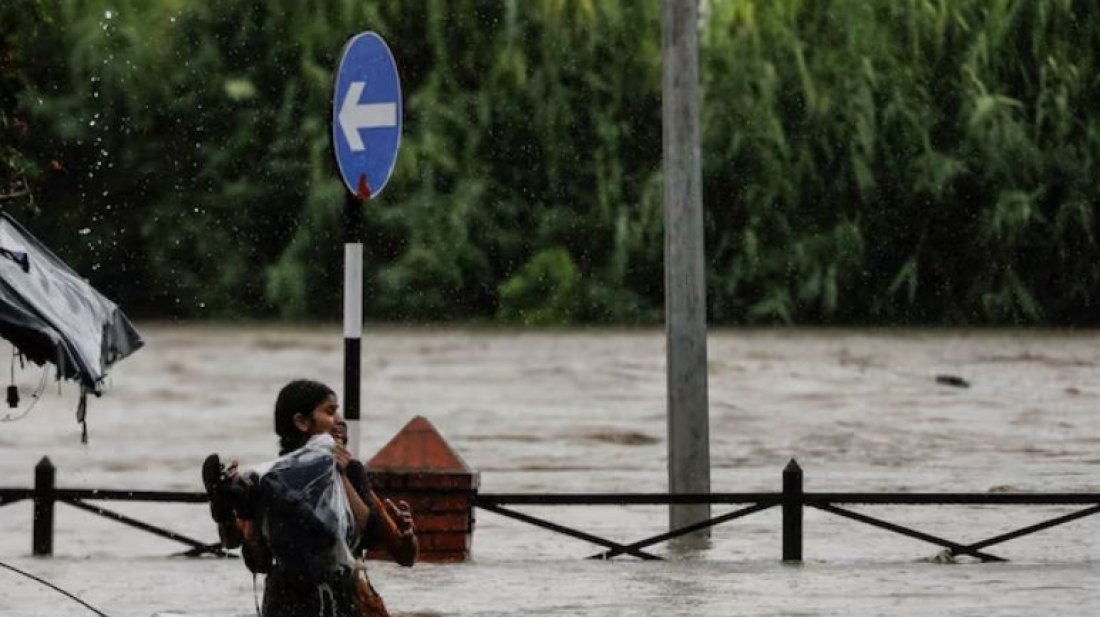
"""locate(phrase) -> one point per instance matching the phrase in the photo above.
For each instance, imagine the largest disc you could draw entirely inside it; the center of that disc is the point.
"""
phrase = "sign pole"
(353, 315)
(685, 284)
(366, 134)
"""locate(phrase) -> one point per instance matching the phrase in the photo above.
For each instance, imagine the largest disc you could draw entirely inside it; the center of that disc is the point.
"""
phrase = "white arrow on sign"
(354, 116)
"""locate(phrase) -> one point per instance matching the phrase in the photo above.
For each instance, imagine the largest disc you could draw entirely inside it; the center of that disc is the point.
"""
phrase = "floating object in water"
(952, 380)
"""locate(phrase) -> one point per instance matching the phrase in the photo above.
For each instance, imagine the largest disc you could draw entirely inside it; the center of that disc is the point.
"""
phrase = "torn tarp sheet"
(51, 314)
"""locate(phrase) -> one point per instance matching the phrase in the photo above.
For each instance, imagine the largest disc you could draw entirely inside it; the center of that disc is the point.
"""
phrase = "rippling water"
(581, 411)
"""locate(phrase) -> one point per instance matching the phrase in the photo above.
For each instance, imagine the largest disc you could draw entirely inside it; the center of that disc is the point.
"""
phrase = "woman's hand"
(402, 515)
(398, 532)
(233, 471)
(342, 457)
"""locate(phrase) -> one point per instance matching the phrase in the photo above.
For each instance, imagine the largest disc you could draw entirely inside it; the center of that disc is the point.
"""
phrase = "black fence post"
(44, 476)
(792, 512)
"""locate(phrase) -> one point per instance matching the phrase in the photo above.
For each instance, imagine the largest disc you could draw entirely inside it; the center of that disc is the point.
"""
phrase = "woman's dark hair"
(300, 396)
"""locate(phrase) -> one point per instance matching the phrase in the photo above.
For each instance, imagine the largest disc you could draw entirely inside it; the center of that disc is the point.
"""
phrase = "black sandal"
(213, 480)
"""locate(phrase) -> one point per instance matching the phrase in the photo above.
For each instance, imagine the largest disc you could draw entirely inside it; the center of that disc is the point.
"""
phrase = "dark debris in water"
(952, 380)
(625, 438)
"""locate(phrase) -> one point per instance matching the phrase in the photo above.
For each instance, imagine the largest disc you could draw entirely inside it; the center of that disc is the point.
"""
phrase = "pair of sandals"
(230, 498)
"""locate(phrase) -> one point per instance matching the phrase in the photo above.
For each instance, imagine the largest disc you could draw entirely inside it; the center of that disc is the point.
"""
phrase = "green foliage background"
(865, 161)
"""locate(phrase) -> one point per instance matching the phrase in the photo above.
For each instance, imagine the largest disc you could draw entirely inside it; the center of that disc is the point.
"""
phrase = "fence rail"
(46, 495)
(791, 499)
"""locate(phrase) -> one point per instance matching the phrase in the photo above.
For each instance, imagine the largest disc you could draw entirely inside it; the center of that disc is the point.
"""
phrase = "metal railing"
(792, 499)
(45, 495)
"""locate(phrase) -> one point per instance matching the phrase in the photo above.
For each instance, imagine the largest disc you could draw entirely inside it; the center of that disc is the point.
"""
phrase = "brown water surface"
(577, 411)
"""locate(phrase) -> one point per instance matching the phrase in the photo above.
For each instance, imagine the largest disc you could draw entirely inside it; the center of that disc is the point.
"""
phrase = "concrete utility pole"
(685, 284)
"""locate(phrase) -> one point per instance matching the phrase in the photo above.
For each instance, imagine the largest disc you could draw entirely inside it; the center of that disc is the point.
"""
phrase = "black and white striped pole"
(353, 316)
(366, 134)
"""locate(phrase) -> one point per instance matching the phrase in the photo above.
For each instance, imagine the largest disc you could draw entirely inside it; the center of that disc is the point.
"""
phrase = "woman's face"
(340, 431)
(323, 417)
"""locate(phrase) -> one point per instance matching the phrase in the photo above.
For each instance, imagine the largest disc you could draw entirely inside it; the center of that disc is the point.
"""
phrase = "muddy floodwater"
(583, 411)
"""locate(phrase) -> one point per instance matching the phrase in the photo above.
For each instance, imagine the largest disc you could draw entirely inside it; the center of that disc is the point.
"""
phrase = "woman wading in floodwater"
(297, 526)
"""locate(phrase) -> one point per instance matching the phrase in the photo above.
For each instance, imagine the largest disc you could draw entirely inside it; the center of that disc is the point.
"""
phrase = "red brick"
(445, 556)
(445, 541)
(388, 480)
(459, 521)
(419, 467)
(434, 548)
(417, 503)
(451, 503)
(442, 481)
(425, 503)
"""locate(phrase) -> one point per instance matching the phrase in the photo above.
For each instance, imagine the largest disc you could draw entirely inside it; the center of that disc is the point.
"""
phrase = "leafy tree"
(20, 21)
(882, 161)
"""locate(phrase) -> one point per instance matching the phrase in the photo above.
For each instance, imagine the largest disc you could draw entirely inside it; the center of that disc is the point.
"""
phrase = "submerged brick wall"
(419, 466)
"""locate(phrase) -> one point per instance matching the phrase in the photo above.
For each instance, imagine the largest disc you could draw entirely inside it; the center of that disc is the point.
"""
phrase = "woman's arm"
(398, 532)
(230, 533)
(257, 555)
(394, 524)
(359, 508)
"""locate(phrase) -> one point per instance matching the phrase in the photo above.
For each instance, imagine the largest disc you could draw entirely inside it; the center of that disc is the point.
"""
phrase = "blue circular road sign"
(366, 114)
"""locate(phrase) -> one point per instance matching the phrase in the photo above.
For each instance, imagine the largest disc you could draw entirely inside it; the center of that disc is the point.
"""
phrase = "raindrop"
(85, 231)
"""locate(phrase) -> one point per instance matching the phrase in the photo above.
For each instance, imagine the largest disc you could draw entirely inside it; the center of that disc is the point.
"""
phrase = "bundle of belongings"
(307, 520)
